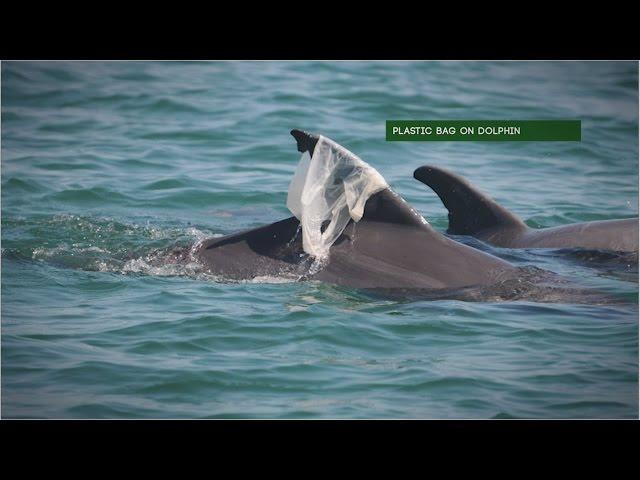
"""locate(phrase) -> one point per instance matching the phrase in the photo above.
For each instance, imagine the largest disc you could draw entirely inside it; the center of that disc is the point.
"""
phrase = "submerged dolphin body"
(390, 247)
(473, 213)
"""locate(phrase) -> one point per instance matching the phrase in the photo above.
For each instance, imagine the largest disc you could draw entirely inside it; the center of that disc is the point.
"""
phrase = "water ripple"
(109, 166)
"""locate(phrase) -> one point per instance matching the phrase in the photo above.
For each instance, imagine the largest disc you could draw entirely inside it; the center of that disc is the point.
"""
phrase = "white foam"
(273, 279)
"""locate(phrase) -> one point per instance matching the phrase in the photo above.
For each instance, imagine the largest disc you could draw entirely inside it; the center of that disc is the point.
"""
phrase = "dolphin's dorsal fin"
(306, 141)
(386, 206)
(470, 210)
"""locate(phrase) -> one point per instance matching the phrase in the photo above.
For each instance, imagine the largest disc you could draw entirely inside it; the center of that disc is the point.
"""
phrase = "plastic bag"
(333, 186)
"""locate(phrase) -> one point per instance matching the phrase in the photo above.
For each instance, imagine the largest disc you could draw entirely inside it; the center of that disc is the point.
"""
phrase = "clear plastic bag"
(333, 186)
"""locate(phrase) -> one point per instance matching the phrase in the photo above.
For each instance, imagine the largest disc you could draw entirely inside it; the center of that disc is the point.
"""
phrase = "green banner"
(484, 130)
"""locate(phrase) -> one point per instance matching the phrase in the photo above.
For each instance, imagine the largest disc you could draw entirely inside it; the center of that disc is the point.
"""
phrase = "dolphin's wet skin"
(473, 213)
(392, 251)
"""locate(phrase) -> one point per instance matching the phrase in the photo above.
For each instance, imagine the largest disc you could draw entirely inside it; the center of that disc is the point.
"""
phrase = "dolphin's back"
(387, 255)
(471, 212)
(615, 235)
(392, 246)
(272, 249)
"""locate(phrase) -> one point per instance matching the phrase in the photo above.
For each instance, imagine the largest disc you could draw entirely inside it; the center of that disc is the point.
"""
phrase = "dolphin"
(390, 247)
(473, 213)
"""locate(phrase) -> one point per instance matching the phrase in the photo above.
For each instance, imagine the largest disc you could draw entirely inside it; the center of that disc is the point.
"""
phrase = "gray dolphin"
(391, 246)
(473, 213)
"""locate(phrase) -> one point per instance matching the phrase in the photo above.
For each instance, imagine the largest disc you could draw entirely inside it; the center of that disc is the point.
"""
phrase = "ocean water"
(104, 163)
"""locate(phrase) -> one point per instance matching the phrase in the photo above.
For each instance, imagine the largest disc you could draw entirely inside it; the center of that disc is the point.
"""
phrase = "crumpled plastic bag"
(333, 186)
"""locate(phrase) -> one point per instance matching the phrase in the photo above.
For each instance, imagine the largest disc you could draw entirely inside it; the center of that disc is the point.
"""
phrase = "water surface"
(103, 163)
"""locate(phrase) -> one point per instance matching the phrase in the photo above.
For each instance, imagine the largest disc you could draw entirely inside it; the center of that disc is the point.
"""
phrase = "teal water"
(104, 163)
